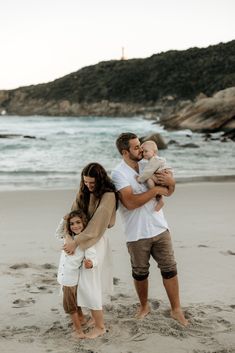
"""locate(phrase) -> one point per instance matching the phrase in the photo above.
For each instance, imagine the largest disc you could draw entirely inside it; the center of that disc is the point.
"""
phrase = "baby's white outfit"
(68, 271)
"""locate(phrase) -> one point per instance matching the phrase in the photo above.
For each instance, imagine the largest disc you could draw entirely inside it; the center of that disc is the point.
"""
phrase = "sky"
(42, 40)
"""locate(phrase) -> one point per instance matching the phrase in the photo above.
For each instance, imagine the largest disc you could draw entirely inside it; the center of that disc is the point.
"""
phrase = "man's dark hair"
(122, 141)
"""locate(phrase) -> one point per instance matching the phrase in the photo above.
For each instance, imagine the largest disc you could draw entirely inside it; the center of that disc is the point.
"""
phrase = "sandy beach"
(202, 222)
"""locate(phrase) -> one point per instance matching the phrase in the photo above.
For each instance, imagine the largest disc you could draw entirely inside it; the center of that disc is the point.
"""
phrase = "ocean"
(64, 145)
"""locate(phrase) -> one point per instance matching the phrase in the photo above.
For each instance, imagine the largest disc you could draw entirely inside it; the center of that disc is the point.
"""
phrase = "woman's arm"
(97, 224)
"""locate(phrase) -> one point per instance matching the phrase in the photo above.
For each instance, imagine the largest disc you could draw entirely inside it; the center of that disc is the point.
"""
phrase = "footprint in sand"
(154, 304)
(139, 337)
(19, 266)
(116, 281)
(48, 266)
(20, 303)
(49, 281)
(228, 252)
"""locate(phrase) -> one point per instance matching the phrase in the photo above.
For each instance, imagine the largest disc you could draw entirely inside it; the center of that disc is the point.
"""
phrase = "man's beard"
(134, 158)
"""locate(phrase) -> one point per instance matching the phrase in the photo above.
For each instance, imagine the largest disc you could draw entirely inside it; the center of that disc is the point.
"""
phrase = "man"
(146, 230)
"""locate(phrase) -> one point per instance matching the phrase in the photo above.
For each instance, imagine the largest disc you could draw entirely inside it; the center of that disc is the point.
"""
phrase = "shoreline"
(179, 180)
(206, 178)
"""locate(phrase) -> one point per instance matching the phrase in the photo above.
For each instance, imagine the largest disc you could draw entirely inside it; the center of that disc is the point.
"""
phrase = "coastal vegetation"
(153, 86)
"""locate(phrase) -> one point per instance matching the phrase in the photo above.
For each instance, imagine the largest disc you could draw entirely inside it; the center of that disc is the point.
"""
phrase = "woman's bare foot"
(142, 312)
(90, 322)
(178, 315)
(95, 332)
(78, 334)
(87, 323)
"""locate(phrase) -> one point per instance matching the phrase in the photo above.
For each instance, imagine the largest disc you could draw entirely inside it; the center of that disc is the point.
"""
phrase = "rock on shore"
(206, 114)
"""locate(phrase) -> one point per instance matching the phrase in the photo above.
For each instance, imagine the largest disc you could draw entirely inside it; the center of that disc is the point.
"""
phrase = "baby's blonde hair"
(151, 144)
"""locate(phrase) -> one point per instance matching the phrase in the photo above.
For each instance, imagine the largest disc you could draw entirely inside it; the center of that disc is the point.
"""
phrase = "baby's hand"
(88, 263)
(137, 178)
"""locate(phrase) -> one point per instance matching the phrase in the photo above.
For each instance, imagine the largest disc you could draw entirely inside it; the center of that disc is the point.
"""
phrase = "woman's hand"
(69, 246)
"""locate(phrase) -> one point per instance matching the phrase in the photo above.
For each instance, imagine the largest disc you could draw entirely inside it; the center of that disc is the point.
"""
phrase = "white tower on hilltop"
(123, 56)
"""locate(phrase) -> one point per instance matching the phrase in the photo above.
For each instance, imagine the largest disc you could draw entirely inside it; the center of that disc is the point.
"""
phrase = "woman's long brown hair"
(103, 184)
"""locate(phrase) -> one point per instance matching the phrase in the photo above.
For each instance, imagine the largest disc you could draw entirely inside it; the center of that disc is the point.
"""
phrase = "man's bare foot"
(178, 315)
(160, 204)
(142, 312)
(78, 334)
(95, 332)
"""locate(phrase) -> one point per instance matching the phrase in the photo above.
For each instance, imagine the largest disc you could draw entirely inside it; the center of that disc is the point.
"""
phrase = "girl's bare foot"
(179, 316)
(142, 312)
(95, 332)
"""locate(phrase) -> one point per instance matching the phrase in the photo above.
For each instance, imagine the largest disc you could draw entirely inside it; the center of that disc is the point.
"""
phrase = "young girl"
(68, 272)
(97, 197)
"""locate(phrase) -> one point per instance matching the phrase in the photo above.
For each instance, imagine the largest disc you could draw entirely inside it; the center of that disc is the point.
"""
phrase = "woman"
(98, 200)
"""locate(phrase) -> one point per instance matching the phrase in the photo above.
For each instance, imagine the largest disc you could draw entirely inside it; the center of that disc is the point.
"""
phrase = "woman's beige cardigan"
(103, 215)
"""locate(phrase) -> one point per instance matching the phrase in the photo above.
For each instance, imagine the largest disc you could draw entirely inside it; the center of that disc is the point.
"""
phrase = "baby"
(154, 164)
(68, 272)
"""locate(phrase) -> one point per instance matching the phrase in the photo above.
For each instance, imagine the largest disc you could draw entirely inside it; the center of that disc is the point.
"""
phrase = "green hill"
(181, 74)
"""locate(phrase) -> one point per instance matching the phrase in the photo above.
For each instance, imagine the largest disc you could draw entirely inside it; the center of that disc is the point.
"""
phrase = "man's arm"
(132, 201)
(165, 177)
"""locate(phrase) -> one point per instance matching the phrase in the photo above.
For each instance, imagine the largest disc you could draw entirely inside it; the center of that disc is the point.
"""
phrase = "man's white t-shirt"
(142, 222)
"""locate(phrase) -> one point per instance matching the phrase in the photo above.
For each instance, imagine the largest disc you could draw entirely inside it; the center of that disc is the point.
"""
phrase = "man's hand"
(69, 246)
(165, 177)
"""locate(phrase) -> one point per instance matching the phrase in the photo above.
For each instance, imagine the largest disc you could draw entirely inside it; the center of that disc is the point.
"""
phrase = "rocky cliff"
(205, 114)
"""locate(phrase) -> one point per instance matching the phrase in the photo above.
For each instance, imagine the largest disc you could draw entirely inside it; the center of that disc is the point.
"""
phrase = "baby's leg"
(160, 203)
(150, 183)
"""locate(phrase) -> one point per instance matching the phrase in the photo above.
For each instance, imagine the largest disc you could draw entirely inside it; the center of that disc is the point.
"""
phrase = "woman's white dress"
(95, 285)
